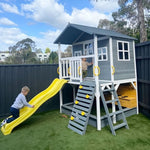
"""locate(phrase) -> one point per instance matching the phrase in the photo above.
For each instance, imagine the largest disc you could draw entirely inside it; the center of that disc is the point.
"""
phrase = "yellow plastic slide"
(38, 100)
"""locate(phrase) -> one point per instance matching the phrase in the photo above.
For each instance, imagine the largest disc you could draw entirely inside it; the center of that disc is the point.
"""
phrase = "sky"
(44, 20)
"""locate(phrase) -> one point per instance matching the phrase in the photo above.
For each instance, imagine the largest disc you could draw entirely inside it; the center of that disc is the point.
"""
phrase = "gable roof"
(75, 33)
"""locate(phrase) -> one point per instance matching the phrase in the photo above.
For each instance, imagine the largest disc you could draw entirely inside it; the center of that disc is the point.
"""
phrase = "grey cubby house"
(113, 57)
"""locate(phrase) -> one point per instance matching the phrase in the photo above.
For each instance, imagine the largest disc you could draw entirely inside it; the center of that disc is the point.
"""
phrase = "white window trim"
(123, 51)
(77, 52)
(106, 54)
(88, 42)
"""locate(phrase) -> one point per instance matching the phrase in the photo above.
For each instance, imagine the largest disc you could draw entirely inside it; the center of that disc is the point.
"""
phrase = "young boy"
(85, 65)
(19, 103)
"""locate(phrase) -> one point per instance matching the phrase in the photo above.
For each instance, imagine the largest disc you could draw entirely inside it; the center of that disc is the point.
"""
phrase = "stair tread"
(120, 126)
(108, 90)
(116, 112)
(110, 101)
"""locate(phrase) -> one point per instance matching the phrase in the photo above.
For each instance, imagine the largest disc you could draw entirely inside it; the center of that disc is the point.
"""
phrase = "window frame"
(102, 53)
(85, 49)
(123, 50)
(77, 52)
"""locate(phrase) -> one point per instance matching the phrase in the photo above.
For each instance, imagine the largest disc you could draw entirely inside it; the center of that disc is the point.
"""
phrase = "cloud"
(47, 11)
(105, 6)
(10, 8)
(86, 17)
(10, 36)
(6, 21)
(54, 14)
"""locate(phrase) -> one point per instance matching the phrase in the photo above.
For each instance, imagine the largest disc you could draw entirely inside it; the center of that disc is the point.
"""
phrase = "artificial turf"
(48, 131)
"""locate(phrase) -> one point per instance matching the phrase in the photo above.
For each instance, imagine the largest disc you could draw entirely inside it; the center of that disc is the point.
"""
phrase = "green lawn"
(48, 131)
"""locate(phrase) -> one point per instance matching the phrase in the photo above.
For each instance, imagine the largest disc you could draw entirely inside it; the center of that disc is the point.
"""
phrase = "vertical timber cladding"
(123, 69)
(37, 77)
(105, 72)
(143, 76)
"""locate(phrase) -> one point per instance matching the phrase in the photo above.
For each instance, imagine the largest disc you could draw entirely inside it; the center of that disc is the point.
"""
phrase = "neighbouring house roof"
(75, 33)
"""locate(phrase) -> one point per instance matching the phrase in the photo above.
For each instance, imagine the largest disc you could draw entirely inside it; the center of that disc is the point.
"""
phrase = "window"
(3, 55)
(45, 55)
(123, 51)
(40, 55)
(102, 54)
(88, 49)
(77, 53)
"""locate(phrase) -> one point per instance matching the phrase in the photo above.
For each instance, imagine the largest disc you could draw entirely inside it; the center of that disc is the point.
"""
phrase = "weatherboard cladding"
(75, 32)
(123, 69)
(78, 47)
(104, 65)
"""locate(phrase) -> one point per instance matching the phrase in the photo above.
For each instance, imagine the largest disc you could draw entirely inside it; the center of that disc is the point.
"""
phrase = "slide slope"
(38, 100)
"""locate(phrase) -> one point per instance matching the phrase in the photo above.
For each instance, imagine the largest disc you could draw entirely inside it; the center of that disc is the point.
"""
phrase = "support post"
(97, 92)
(112, 76)
(74, 92)
(60, 76)
(136, 78)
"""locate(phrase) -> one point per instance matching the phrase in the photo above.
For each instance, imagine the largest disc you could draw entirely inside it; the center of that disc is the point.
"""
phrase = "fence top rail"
(142, 44)
(22, 65)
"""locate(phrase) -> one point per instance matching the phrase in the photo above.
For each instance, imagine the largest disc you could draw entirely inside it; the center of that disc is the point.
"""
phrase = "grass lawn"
(48, 131)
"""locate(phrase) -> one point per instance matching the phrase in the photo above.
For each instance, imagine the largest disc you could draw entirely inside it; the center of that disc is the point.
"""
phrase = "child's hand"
(32, 106)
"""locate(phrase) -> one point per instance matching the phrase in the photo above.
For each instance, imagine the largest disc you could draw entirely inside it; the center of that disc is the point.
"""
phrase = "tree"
(23, 45)
(22, 52)
(132, 11)
(47, 50)
(38, 50)
(141, 20)
(67, 52)
(53, 58)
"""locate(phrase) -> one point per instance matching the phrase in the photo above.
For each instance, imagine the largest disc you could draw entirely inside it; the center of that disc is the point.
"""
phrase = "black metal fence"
(143, 75)
(37, 77)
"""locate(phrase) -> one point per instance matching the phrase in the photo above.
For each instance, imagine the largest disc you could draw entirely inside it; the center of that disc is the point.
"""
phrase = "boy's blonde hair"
(25, 89)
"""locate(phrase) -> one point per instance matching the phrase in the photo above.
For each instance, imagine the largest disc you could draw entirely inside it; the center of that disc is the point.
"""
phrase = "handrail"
(77, 57)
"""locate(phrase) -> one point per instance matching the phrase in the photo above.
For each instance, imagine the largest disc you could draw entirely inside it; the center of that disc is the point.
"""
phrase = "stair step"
(85, 92)
(83, 100)
(116, 112)
(109, 90)
(119, 126)
(111, 101)
(75, 129)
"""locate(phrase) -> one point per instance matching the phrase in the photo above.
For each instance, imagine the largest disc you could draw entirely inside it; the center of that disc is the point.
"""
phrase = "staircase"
(82, 107)
(109, 115)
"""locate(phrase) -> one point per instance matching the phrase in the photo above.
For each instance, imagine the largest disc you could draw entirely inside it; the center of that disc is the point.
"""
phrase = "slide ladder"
(120, 111)
(82, 107)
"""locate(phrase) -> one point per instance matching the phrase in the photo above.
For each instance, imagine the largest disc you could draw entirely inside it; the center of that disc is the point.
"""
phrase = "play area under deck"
(67, 109)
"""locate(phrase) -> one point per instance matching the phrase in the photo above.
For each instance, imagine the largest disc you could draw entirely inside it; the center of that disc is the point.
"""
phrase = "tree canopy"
(132, 12)
(47, 50)
(22, 53)
(53, 58)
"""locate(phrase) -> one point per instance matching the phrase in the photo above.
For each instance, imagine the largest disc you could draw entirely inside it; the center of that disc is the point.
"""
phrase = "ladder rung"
(108, 90)
(116, 112)
(119, 126)
(111, 101)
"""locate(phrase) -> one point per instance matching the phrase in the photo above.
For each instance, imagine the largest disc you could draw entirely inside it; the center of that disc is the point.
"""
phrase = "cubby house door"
(88, 49)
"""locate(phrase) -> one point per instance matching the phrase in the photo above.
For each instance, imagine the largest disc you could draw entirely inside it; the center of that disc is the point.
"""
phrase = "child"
(85, 65)
(19, 103)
